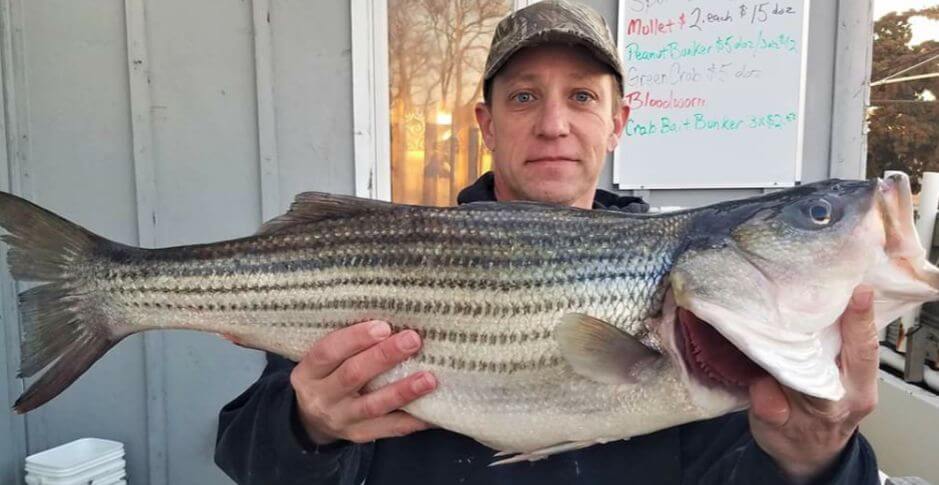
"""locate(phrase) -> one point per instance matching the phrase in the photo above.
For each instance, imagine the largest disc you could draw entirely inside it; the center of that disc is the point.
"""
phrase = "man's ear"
(484, 120)
(620, 117)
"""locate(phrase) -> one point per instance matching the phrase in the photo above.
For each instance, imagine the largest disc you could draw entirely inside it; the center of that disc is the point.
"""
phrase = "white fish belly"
(527, 413)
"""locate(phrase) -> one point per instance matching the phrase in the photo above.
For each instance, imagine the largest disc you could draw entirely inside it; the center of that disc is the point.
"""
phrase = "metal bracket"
(922, 344)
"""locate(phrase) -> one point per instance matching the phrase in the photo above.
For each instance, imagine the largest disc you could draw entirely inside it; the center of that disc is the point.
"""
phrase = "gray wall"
(72, 120)
(902, 429)
(70, 148)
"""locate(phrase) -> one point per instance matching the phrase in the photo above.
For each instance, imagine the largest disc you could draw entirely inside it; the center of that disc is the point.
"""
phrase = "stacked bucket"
(84, 461)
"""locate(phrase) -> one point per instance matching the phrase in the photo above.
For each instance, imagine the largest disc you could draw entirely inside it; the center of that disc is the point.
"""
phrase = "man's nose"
(553, 121)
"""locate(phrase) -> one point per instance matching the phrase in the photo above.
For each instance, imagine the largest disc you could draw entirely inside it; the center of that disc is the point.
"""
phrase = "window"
(416, 75)
(436, 54)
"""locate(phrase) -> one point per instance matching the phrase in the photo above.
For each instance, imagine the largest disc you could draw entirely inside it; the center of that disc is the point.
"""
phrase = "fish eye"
(820, 212)
(814, 214)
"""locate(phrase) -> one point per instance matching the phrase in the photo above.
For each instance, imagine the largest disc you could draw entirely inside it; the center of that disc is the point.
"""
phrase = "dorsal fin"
(310, 207)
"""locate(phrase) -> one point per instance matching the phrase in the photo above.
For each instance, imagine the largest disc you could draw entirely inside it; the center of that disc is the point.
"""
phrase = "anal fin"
(545, 452)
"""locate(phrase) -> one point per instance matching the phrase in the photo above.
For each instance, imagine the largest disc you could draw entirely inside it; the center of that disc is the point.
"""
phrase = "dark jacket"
(260, 441)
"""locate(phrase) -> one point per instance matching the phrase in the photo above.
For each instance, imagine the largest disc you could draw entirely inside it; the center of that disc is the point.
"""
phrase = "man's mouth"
(551, 159)
(711, 358)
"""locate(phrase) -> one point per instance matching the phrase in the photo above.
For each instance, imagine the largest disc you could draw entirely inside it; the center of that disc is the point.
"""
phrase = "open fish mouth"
(901, 274)
(712, 360)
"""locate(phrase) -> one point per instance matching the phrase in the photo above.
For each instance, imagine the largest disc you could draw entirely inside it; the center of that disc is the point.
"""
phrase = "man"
(553, 110)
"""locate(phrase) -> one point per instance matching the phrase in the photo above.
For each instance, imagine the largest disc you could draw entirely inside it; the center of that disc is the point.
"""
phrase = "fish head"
(762, 282)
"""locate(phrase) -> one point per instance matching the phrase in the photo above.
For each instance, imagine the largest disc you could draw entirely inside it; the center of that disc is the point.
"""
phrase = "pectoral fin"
(602, 352)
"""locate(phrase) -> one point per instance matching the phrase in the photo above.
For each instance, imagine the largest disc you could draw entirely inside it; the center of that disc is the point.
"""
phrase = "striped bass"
(548, 328)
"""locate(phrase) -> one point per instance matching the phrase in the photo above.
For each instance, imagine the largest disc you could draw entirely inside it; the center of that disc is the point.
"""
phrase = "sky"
(923, 29)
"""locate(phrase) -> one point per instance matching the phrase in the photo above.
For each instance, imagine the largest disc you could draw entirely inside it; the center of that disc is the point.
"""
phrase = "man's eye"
(524, 98)
(583, 97)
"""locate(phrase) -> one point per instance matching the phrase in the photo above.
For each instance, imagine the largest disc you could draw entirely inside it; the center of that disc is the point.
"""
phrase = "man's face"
(554, 114)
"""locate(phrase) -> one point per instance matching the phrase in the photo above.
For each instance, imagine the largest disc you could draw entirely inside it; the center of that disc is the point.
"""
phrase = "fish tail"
(59, 324)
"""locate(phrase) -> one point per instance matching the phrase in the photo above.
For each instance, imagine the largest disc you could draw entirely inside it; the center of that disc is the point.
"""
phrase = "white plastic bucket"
(84, 461)
(110, 475)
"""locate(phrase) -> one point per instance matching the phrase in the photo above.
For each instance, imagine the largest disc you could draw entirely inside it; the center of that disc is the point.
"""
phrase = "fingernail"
(862, 298)
(379, 330)
(423, 383)
(409, 341)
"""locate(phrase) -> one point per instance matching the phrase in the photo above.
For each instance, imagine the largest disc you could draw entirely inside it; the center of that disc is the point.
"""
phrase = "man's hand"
(329, 378)
(804, 434)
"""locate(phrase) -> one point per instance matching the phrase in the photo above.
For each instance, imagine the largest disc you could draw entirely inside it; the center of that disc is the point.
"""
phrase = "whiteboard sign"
(716, 90)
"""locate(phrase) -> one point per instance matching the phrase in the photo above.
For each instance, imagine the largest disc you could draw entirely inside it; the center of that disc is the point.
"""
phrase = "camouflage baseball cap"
(553, 21)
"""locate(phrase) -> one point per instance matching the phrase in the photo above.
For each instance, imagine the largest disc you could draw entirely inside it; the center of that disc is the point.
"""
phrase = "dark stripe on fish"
(504, 367)
(485, 282)
(397, 258)
(435, 307)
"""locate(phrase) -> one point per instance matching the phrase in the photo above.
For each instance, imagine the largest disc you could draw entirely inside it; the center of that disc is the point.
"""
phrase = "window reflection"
(437, 51)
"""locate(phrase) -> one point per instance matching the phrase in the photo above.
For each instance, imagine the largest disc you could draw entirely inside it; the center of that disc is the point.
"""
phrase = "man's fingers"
(860, 346)
(331, 351)
(768, 402)
(857, 320)
(391, 397)
(398, 423)
(355, 372)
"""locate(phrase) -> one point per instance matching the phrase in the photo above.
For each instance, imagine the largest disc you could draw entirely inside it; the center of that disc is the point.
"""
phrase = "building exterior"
(160, 123)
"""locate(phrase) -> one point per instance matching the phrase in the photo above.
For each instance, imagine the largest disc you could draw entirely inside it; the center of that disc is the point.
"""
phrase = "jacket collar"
(483, 191)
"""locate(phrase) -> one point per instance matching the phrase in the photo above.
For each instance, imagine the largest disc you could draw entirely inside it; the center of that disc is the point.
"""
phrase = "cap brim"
(554, 36)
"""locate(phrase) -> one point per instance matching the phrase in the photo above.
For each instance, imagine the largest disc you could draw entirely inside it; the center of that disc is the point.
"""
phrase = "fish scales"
(547, 328)
(323, 279)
